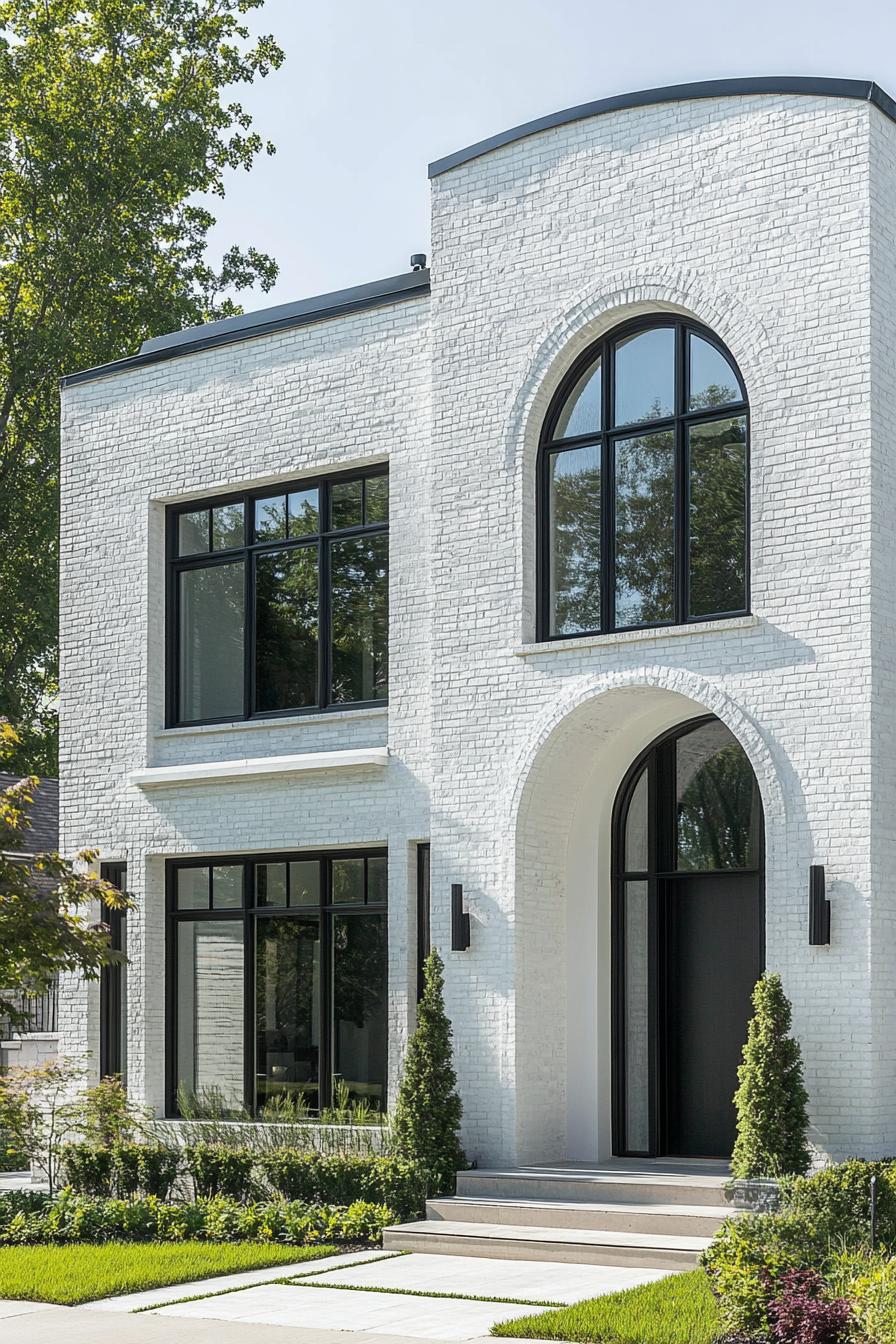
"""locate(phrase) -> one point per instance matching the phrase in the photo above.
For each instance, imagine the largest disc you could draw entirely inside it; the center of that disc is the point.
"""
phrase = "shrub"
(28, 1219)
(342, 1179)
(123, 1169)
(219, 1170)
(428, 1109)
(838, 1199)
(802, 1313)
(105, 1114)
(771, 1099)
(871, 1288)
(87, 1169)
(750, 1255)
(159, 1167)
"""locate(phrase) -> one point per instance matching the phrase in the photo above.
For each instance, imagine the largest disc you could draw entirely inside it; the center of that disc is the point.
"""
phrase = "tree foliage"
(427, 1114)
(116, 126)
(47, 906)
(771, 1099)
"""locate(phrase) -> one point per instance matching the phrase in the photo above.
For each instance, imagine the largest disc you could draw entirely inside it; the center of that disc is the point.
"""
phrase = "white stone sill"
(636, 636)
(258, 725)
(168, 776)
(15, 1043)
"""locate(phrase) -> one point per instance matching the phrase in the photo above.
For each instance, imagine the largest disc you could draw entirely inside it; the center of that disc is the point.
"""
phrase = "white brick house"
(743, 226)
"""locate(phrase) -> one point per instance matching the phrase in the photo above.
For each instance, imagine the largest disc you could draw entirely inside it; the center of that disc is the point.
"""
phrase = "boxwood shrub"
(341, 1178)
(219, 1170)
(122, 1169)
(838, 1200)
(27, 1218)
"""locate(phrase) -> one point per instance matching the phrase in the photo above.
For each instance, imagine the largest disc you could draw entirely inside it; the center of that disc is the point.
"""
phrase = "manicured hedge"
(128, 1170)
(27, 1218)
(122, 1169)
(339, 1179)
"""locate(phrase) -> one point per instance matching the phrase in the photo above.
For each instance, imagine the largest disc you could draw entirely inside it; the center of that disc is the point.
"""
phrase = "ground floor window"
(277, 974)
(114, 986)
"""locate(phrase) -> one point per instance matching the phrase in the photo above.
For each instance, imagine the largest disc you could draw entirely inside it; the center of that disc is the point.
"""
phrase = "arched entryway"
(687, 940)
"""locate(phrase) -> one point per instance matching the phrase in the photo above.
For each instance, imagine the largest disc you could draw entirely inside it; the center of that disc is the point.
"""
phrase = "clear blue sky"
(371, 91)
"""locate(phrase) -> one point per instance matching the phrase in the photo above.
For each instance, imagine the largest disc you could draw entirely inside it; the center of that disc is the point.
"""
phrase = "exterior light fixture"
(460, 920)
(819, 908)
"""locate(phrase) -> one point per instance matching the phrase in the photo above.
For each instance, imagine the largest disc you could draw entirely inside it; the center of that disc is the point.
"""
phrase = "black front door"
(688, 941)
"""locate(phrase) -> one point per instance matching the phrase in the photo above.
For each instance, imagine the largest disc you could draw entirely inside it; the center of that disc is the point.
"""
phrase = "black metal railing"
(42, 1011)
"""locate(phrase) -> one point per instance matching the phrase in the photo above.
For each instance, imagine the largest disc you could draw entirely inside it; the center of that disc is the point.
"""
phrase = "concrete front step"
(679, 1220)
(577, 1246)
(597, 1185)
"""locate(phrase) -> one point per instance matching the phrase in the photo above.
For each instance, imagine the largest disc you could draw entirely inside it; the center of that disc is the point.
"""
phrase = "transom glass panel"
(644, 480)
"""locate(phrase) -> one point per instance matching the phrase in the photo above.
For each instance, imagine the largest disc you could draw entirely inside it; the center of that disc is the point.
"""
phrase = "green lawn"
(73, 1274)
(677, 1310)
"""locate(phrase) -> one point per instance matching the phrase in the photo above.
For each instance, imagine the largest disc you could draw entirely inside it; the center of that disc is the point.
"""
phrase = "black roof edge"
(861, 89)
(232, 329)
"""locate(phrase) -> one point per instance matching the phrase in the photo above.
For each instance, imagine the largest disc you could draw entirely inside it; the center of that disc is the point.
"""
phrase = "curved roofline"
(862, 90)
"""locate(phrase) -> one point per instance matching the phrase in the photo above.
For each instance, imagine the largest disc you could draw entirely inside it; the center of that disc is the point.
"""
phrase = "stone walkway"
(369, 1295)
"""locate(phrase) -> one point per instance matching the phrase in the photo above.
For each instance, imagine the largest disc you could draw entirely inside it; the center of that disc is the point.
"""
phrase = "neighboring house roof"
(44, 833)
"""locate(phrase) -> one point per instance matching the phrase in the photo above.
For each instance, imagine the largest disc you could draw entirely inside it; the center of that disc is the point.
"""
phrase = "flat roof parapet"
(262, 323)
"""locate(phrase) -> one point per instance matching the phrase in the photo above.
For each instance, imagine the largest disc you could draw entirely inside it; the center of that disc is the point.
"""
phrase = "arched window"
(643, 492)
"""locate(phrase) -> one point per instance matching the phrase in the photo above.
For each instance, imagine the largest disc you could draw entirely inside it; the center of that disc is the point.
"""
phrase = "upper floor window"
(278, 600)
(643, 489)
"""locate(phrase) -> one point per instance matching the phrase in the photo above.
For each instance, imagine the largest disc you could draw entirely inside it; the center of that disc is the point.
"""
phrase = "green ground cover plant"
(679, 1309)
(70, 1275)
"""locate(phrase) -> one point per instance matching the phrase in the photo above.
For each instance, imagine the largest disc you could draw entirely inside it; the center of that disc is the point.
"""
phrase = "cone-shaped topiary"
(771, 1100)
(427, 1114)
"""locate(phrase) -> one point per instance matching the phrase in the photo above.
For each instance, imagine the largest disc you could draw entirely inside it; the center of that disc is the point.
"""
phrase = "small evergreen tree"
(427, 1114)
(771, 1099)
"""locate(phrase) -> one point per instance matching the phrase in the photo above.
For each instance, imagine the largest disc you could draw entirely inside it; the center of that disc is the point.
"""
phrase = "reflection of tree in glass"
(575, 530)
(360, 605)
(645, 472)
(644, 546)
(718, 814)
(286, 628)
(287, 958)
(359, 968)
(717, 516)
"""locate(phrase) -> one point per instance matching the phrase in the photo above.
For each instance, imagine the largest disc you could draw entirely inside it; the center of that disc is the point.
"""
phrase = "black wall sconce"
(819, 908)
(460, 920)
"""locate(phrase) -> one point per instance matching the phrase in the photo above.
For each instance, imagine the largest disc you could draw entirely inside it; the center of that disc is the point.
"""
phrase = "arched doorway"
(688, 940)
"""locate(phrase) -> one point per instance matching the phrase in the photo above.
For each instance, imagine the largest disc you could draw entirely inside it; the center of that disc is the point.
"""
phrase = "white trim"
(630, 636)
(211, 771)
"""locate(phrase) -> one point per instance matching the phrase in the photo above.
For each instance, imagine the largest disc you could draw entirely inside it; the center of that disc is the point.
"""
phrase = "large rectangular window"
(278, 600)
(277, 982)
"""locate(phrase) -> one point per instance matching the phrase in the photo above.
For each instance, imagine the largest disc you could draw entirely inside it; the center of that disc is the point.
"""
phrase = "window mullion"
(249, 1041)
(323, 600)
(249, 635)
(679, 539)
(608, 494)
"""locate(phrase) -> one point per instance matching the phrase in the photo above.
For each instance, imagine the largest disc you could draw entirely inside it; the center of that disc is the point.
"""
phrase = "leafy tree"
(771, 1099)
(116, 125)
(45, 906)
(37, 1113)
(427, 1114)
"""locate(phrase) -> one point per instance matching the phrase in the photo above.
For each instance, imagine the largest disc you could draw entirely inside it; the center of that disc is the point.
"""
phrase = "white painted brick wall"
(769, 219)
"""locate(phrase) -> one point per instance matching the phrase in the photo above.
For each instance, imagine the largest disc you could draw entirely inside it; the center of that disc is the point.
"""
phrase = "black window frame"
(678, 423)
(113, 983)
(658, 760)
(321, 540)
(246, 915)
